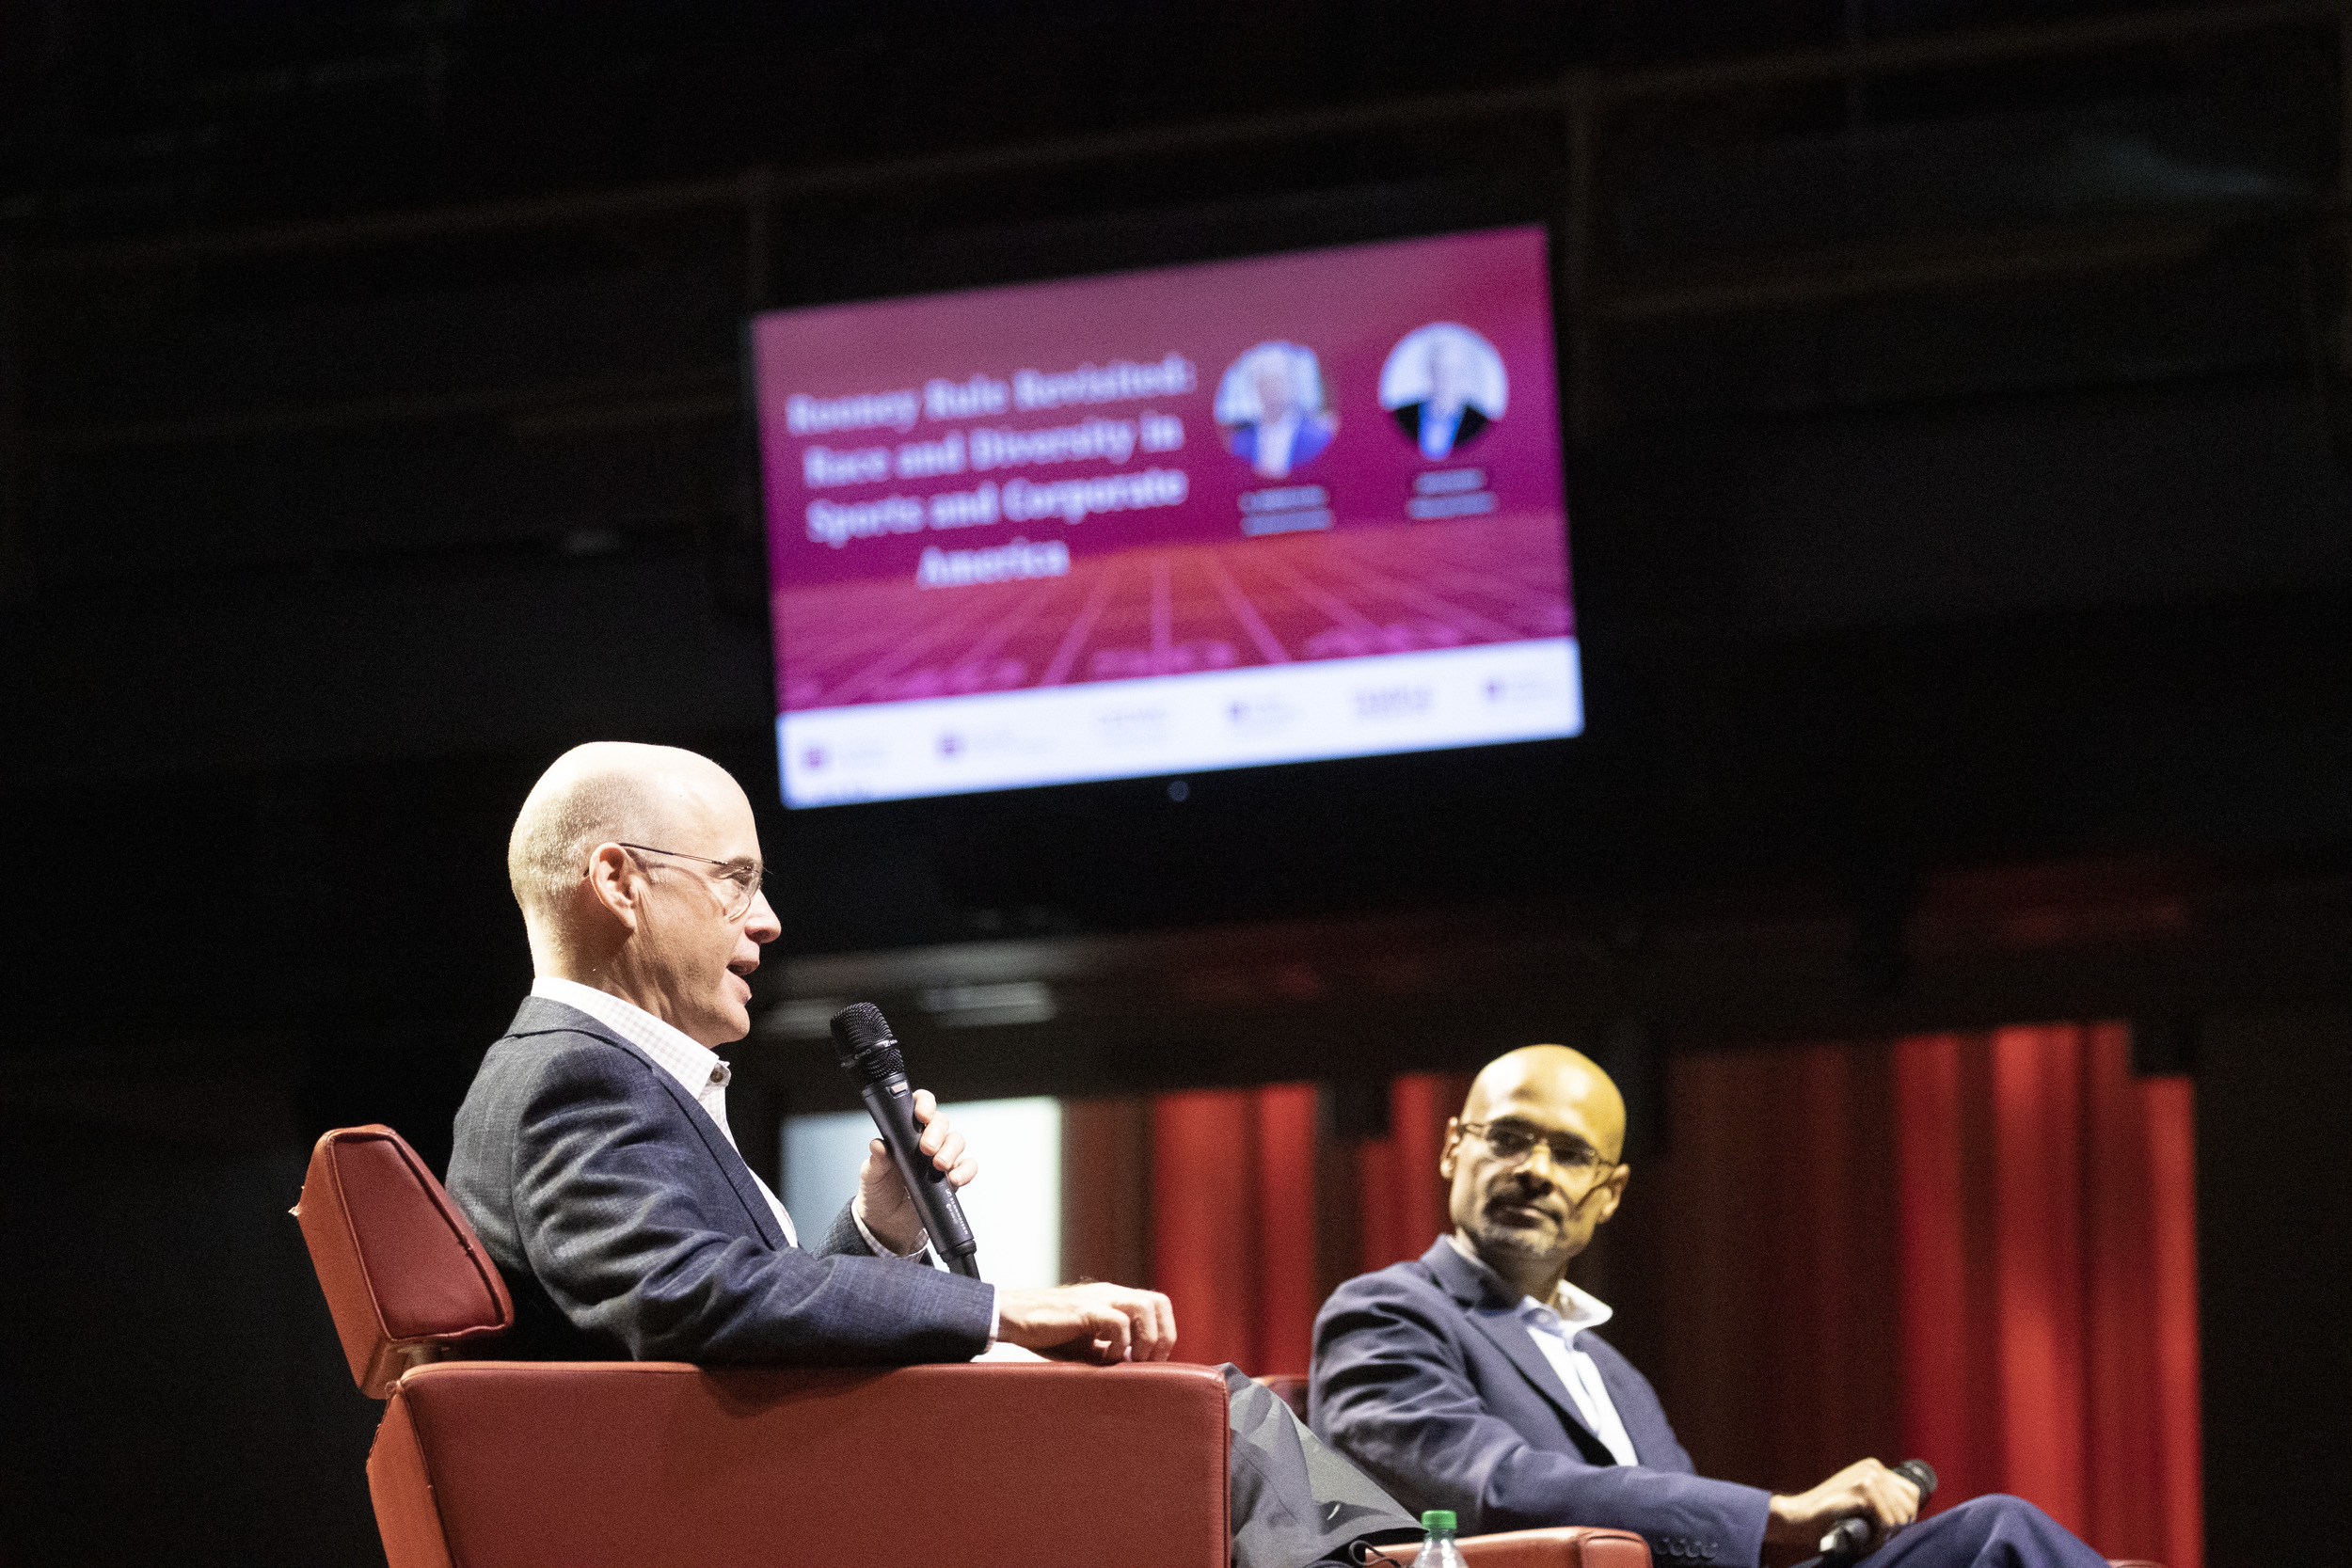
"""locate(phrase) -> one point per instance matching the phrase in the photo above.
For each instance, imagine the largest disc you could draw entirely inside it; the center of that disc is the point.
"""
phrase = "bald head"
(1533, 1164)
(1552, 1076)
(639, 871)
(606, 792)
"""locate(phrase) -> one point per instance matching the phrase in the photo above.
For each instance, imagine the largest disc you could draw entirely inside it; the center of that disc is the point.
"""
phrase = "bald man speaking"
(1472, 1379)
(593, 1157)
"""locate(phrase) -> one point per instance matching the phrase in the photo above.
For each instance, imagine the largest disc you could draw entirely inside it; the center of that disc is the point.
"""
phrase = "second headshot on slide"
(1443, 384)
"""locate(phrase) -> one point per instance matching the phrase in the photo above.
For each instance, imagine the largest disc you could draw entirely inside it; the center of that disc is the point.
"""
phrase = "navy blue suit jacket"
(629, 1229)
(1307, 443)
(1427, 1378)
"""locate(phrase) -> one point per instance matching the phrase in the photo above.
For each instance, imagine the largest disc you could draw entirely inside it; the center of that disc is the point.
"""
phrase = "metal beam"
(1988, 46)
(1580, 101)
(555, 212)
(1944, 50)
(1815, 277)
(1576, 269)
(544, 407)
(16, 477)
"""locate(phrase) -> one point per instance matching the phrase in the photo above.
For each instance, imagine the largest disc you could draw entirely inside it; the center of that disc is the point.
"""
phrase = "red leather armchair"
(568, 1465)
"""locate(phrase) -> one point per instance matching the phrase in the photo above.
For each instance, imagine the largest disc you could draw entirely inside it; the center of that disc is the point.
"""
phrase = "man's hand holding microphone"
(907, 1190)
(1854, 1512)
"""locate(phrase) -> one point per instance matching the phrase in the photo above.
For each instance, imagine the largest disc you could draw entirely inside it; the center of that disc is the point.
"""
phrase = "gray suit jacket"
(1424, 1376)
(628, 1227)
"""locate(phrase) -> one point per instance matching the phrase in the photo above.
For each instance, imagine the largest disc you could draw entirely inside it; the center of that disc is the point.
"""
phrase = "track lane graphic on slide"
(1177, 610)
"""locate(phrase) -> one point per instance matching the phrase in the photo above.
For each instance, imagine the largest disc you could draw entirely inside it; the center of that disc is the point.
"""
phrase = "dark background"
(1957, 420)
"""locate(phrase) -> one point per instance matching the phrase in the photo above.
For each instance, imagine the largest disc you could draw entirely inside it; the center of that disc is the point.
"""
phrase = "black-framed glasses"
(1516, 1141)
(739, 883)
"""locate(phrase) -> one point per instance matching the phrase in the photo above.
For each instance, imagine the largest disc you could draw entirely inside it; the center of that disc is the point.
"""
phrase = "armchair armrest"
(659, 1464)
(1564, 1546)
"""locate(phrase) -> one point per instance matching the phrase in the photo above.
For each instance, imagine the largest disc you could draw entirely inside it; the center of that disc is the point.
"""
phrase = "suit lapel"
(729, 1159)
(1634, 1407)
(1499, 1321)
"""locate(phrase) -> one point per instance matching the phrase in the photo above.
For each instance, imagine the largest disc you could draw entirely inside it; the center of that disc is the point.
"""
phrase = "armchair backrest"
(404, 1274)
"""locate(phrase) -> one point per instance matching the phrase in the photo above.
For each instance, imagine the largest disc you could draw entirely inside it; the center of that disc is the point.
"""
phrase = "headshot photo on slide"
(1443, 384)
(1271, 405)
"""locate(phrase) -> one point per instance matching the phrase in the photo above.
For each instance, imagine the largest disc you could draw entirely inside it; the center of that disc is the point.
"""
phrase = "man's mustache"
(1546, 1197)
(1543, 1199)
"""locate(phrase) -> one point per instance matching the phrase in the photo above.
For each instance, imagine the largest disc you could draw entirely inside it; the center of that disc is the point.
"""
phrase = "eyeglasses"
(739, 883)
(1512, 1141)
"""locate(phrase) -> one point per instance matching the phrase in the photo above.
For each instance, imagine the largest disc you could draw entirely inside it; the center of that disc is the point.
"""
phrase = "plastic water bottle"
(1439, 1551)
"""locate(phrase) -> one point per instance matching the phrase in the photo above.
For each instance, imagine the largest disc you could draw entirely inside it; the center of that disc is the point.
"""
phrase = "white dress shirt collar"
(696, 1067)
(1554, 1328)
(1277, 439)
(1573, 1309)
(699, 1070)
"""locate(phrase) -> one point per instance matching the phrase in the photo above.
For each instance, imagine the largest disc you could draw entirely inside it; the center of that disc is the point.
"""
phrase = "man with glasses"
(593, 1157)
(1470, 1379)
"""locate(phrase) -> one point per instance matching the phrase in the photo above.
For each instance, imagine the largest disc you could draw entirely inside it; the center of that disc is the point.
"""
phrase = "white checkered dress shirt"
(699, 1070)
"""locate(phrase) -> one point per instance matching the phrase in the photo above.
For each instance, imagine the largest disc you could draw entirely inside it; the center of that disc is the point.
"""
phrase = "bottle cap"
(1437, 1519)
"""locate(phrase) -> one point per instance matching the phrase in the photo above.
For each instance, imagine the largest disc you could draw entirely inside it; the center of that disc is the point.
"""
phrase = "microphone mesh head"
(863, 1041)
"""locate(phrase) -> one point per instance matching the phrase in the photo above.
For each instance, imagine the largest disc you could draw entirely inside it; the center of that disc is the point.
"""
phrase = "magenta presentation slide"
(1220, 515)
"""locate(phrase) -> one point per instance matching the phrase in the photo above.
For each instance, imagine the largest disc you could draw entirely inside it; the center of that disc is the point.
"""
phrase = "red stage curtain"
(1289, 1292)
(1234, 1233)
(1751, 1266)
(1236, 1225)
(2049, 1280)
(1401, 1203)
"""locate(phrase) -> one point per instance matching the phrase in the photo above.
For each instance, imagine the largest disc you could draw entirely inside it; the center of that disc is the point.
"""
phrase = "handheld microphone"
(1849, 1538)
(869, 1054)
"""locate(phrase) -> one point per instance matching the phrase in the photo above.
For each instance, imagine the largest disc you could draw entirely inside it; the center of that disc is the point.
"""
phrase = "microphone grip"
(1846, 1541)
(892, 1106)
(1849, 1538)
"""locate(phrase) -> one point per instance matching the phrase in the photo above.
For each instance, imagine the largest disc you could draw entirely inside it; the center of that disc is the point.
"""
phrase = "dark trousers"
(1292, 1501)
(1995, 1530)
